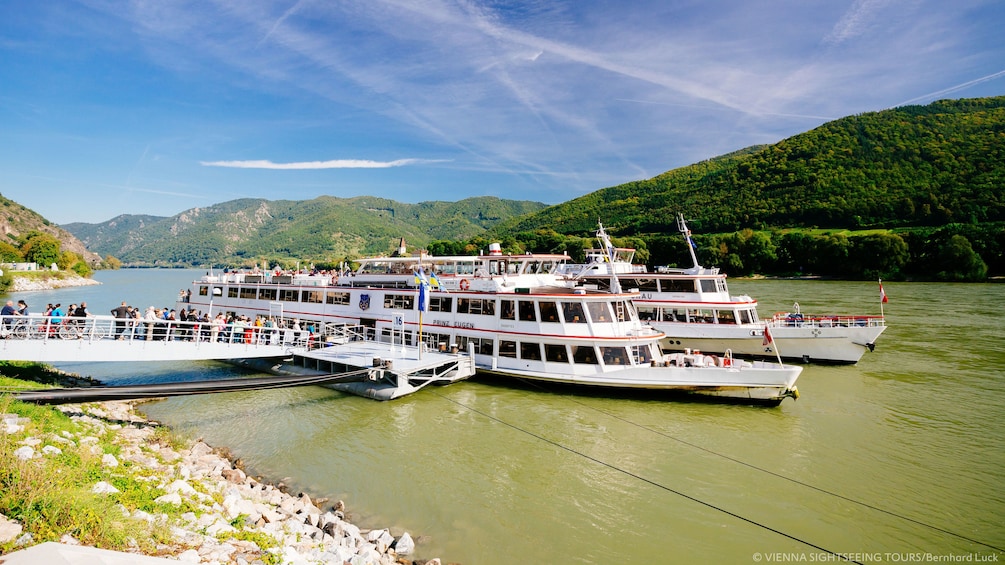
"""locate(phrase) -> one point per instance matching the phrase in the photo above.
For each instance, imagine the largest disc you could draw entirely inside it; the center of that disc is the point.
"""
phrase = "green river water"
(900, 458)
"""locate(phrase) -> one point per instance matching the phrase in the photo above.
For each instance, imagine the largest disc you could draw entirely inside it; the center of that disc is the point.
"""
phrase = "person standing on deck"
(121, 315)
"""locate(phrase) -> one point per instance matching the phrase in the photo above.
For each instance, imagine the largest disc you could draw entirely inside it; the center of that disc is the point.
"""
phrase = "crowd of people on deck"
(159, 323)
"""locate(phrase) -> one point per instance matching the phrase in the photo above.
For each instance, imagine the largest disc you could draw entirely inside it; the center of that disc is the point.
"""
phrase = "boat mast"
(682, 226)
(608, 248)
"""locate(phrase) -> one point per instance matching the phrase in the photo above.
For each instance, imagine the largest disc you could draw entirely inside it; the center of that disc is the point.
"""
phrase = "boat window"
(463, 305)
(643, 354)
(289, 295)
(584, 354)
(677, 285)
(507, 349)
(748, 316)
(440, 303)
(232, 292)
(527, 313)
(399, 301)
(530, 351)
(603, 283)
(549, 311)
(246, 292)
(436, 341)
(614, 355)
(267, 293)
(313, 296)
(203, 290)
(726, 317)
(483, 346)
(647, 313)
(556, 353)
(644, 285)
(217, 291)
(700, 315)
(466, 268)
(573, 313)
(600, 312)
(507, 310)
(337, 297)
(708, 285)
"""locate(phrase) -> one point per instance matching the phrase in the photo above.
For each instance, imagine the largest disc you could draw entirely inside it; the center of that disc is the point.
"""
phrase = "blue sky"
(157, 106)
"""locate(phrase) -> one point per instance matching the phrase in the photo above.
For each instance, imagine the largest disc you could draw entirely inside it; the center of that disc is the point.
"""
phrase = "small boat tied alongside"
(695, 310)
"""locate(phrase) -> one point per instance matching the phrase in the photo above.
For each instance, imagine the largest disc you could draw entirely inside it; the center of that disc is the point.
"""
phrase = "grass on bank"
(51, 496)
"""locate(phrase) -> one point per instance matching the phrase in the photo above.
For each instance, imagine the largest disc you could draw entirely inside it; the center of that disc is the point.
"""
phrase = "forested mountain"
(909, 166)
(324, 229)
(916, 192)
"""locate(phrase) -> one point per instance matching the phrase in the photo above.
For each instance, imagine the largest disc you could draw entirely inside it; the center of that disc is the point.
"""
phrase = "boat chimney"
(495, 249)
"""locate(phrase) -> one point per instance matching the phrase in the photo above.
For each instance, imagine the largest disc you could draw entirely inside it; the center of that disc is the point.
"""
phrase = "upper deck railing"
(37, 327)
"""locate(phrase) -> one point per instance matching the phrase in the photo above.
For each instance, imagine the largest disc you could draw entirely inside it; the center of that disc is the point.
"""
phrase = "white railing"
(40, 327)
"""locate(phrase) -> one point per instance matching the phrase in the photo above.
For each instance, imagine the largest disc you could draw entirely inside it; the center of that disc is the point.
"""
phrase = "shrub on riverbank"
(50, 490)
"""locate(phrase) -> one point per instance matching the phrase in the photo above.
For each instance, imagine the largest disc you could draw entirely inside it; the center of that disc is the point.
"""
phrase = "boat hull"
(834, 345)
(753, 382)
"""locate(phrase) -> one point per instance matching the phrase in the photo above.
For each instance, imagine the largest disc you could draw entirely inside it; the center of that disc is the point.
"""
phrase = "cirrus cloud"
(312, 165)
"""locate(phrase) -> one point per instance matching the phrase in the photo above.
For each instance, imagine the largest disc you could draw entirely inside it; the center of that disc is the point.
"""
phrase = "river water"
(898, 458)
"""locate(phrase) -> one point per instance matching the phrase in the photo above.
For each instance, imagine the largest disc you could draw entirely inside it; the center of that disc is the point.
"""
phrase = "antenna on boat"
(608, 248)
(691, 245)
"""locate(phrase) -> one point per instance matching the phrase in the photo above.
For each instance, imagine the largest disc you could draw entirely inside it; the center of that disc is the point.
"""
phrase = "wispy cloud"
(311, 165)
(956, 88)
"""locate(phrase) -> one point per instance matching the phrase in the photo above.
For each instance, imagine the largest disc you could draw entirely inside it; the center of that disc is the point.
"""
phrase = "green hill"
(324, 229)
(909, 166)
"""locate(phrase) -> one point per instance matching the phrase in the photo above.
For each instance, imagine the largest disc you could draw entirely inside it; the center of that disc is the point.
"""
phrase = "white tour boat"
(512, 311)
(694, 309)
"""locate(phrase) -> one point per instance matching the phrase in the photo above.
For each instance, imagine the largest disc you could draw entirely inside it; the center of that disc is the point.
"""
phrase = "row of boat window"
(461, 268)
(663, 285)
(533, 351)
(522, 310)
(697, 315)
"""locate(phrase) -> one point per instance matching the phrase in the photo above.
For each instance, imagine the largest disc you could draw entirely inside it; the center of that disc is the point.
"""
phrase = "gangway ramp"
(104, 338)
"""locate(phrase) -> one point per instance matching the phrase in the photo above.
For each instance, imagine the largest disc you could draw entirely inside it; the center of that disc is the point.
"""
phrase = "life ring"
(465, 284)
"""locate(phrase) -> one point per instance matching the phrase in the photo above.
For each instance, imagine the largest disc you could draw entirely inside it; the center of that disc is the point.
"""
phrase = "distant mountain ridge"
(322, 229)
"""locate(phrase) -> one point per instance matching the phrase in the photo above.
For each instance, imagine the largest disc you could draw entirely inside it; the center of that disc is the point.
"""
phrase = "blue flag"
(423, 283)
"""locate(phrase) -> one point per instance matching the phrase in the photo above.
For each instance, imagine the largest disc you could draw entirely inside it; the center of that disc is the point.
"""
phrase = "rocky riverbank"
(47, 281)
(227, 516)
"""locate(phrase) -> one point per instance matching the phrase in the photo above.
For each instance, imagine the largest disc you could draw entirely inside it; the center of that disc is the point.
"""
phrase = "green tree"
(959, 262)
(9, 253)
(41, 248)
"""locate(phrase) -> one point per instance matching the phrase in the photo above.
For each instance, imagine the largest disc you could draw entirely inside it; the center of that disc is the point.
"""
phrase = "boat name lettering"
(646, 295)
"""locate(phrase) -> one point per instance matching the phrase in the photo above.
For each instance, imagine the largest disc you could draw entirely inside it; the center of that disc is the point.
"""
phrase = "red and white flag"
(767, 336)
(882, 293)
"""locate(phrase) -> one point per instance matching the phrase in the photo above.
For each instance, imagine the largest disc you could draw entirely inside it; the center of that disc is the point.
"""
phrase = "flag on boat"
(424, 284)
(767, 336)
(690, 241)
(882, 293)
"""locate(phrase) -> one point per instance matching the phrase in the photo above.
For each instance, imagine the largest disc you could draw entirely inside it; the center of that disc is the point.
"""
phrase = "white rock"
(102, 487)
(405, 545)
(11, 429)
(9, 530)
(190, 556)
(170, 498)
(24, 453)
(109, 460)
(180, 487)
(51, 450)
